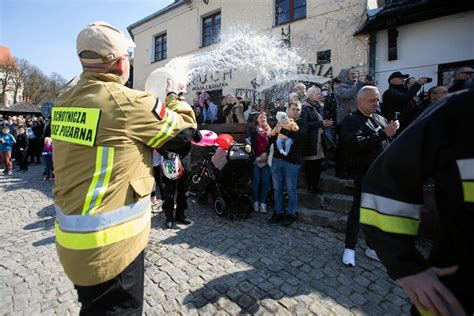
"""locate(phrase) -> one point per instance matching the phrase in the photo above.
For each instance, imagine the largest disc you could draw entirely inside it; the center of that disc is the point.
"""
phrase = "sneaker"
(369, 252)
(9, 172)
(255, 207)
(276, 218)
(348, 257)
(289, 220)
(168, 225)
(263, 208)
(184, 221)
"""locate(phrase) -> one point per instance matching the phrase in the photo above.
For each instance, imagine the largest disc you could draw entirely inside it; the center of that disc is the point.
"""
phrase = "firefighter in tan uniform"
(103, 133)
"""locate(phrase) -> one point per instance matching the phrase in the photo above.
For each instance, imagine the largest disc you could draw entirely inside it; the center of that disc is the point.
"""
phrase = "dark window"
(161, 50)
(289, 10)
(392, 44)
(324, 57)
(211, 29)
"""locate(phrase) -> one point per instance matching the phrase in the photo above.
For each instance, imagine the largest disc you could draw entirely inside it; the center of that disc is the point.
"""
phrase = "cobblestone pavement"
(215, 266)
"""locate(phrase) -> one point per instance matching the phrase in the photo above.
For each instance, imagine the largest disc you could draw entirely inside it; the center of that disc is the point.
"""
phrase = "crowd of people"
(231, 109)
(24, 141)
(320, 122)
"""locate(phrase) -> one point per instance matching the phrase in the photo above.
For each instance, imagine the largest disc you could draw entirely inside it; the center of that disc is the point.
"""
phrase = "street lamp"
(286, 37)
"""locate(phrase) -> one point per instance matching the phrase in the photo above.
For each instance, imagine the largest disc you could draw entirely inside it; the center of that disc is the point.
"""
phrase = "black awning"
(398, 13)
(19, 108)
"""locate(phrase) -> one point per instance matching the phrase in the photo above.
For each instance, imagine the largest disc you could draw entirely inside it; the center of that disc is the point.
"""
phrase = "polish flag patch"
(159, 109)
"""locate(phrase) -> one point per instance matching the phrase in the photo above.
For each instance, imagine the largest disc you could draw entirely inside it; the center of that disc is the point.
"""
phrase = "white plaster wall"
(424, 45)
(329, 25)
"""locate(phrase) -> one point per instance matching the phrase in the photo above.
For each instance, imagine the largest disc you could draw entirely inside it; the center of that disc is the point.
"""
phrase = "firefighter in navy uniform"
(104, 133)
(439, 144)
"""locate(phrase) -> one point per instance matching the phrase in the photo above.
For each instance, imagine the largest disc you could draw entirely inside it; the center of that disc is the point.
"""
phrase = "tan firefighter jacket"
(103, 133)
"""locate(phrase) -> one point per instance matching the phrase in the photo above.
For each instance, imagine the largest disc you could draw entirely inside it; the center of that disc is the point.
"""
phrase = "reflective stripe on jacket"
(438, 145)
(102, 135)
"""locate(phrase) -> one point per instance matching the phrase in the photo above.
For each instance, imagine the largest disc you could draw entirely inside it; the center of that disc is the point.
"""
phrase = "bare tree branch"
(18, 79)
(7, 71)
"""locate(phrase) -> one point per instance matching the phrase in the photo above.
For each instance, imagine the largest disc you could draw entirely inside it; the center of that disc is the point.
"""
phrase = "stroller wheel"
(219, 206)
(202, 199)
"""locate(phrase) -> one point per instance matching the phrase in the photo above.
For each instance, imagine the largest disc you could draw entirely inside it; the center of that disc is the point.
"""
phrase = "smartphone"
(369, 78)
(428, 80)
(396, 115)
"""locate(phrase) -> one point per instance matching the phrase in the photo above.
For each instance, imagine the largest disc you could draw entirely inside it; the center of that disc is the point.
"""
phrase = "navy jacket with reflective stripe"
(440, 145)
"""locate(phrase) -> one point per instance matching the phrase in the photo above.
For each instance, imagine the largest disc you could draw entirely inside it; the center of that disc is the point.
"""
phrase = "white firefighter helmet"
(157, 81)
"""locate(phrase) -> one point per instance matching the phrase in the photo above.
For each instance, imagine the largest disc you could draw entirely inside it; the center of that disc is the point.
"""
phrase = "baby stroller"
(224, 175)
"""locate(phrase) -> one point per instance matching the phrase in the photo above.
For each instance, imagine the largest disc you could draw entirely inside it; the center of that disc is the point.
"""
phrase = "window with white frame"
(211, 29)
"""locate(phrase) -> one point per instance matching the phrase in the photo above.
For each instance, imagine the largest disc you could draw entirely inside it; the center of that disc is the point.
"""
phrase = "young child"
(283, 142)
(22, 149)
(48, 159)
(7, 141)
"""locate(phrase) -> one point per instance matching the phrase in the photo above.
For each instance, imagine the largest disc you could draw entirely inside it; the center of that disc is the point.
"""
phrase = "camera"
(428, 79)
(369, 78)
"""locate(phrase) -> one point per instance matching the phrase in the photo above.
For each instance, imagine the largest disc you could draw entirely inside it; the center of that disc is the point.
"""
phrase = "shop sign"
(321, 72)
(213, 81)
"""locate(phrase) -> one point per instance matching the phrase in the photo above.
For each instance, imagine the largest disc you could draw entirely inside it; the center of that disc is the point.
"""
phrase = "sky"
(44, 31)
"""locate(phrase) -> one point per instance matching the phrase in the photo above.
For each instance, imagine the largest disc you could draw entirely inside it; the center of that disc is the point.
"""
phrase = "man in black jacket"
(396, 98)
(392, 200)
(434, 94)
(365, 135)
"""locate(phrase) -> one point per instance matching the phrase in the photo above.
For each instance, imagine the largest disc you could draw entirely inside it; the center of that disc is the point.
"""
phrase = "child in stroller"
(224, 174)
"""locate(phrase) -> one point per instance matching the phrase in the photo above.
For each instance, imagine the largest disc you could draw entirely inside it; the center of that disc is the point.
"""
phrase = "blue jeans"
(285, 174)
(48, 167)
(284, 142)
(261, 177)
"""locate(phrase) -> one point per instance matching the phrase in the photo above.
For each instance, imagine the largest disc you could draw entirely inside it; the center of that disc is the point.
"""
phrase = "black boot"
(289, 220)
(183, 220)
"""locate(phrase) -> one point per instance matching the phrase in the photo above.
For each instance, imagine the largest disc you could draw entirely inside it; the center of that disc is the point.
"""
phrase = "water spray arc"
(242, 48)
